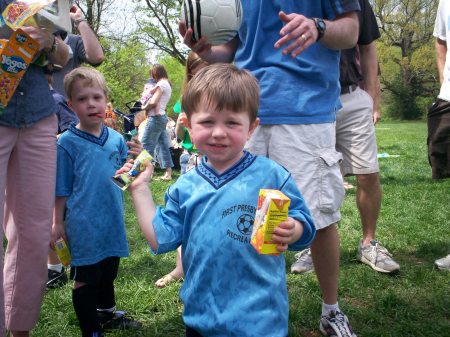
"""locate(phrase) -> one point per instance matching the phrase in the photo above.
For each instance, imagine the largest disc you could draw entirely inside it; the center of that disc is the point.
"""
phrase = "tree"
(93, 10)
(158, 27)
(407, 27)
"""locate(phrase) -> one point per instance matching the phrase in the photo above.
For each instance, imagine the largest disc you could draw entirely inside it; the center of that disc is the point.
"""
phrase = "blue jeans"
(155, 134)
(184, 158)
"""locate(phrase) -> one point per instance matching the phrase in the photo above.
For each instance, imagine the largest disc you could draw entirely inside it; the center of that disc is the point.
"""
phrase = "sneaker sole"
(374, 267)
(302, 271)
(322, 330)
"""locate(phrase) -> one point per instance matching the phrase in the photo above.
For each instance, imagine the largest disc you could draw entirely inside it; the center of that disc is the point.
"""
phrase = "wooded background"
(137, 33)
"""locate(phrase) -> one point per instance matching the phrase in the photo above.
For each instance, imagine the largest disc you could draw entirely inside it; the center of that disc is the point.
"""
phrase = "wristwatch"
(321, 27)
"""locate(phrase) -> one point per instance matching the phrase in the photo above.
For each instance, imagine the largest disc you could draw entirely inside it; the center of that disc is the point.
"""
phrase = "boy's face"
(220, 135)
(89, 103)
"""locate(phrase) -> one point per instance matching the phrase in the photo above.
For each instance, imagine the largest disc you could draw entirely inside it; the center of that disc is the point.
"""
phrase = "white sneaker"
(443, 263)
(378, 257)
(304, 263)
(336, 325)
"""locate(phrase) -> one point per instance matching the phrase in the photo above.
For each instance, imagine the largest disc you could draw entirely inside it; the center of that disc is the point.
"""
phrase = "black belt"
(348, 89)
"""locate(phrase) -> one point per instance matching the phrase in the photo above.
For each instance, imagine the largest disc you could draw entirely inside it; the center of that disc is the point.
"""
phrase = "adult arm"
(299, 32)
(153, 101)
(92, 47)
(441, 52)
(56, 50)
(369, 69)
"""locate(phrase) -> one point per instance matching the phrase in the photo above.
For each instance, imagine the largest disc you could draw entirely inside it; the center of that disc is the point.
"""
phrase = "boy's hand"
(286, 233)
(142, 179)
(57, 232)
(134, 147)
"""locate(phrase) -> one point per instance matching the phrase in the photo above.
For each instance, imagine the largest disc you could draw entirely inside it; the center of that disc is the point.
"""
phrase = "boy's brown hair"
(222, 86)
(92, 77)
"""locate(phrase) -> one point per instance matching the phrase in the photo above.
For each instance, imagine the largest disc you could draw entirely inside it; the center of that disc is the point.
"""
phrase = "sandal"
(166, 280)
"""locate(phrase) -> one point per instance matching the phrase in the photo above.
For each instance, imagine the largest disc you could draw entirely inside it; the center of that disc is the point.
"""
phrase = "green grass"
(414, 224)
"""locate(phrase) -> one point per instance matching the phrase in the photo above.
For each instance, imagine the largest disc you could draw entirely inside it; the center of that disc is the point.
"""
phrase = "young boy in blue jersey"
(228, 289)
(89, 207)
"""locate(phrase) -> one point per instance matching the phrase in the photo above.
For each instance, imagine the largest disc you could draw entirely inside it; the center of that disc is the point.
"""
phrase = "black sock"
(84, 301)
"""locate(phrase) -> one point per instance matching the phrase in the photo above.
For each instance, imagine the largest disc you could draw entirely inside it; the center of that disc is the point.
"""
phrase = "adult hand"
(376, 116)
(201, 47)
(76, 14)
(42, 36)
(298, 33)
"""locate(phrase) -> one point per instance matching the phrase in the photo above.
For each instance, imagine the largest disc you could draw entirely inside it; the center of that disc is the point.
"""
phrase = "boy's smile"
(221, 135)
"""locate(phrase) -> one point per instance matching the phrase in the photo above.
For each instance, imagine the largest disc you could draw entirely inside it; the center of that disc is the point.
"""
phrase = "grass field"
(414, 224)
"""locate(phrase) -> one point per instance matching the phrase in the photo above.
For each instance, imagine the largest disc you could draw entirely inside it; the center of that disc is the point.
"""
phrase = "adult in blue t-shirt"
(292, 48)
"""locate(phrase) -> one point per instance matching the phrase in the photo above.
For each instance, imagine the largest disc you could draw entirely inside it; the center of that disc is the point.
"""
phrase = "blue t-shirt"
(94, 220)
(304, 90)
(229, 289)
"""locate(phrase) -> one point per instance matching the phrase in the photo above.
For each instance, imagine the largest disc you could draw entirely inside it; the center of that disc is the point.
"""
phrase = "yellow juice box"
(15, 56)
(272, 209)
(62, 250)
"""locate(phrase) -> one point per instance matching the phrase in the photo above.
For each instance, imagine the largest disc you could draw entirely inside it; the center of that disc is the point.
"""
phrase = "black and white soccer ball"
(218, 20)
(245, 224)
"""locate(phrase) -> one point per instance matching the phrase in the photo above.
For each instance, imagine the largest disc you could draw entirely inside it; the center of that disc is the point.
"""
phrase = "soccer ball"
(218, 20)
(245, 224)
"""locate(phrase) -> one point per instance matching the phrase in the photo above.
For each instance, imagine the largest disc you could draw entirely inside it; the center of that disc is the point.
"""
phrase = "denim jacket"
(32, 100)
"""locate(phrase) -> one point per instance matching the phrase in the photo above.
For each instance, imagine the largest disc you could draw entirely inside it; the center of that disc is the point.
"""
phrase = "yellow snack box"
(15, 56)
(272, 209)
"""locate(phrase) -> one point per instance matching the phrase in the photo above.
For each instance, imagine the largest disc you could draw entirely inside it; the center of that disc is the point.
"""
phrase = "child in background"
(188, 158)
(89, 211)
(229, 289)
(110, 117)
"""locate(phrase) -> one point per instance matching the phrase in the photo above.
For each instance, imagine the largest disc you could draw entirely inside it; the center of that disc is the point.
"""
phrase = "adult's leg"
(368, 201)
(30, 196)
(151, 134)
(7, 141)
(316, 171)
(325, 255)
(164, 147)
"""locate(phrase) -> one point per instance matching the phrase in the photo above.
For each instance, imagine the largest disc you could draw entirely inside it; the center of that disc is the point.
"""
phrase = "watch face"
(321, 24)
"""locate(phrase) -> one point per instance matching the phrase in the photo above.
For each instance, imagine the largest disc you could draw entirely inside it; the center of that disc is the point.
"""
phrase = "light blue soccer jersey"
(229, 289)
(94, 219)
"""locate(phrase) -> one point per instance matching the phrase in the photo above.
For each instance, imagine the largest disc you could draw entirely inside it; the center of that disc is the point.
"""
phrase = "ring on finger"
(304, 37)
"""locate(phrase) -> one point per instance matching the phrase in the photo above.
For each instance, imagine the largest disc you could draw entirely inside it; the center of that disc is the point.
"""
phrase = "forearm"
(145, 212)
(94, 51)
(341, 33)
(369, 69)
(60, 208)
(441, 53)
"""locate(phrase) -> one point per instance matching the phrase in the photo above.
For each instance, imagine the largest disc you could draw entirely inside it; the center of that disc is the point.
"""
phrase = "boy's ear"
(69, 103)
(252, 128)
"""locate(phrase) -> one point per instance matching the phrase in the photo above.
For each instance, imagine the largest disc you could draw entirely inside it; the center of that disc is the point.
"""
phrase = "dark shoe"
(56, 279)
(118, 321)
